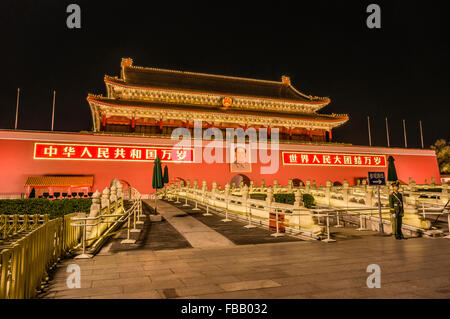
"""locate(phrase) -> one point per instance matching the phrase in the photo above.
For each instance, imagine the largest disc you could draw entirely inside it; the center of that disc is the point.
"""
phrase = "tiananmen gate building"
(134, 122)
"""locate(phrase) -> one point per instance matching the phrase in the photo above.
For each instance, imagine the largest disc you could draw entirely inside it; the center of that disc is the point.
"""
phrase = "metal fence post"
(328, 240)
(249, 214)
(338, 224)
(361, 228)
(196, 206)
(128, 240)
(84, 255)
(277, 234)
(207, 211)
(226, 212)
(135, 230)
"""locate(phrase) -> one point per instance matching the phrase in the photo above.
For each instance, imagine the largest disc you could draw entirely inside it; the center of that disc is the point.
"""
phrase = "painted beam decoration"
(53, 151)
(333, 159)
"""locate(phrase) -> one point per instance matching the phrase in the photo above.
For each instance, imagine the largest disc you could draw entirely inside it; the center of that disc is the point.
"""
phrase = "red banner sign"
(111, 153)
(330, 159)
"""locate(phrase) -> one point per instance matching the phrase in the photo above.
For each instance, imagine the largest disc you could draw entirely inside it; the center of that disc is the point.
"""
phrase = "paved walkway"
(415, 268)
(196, 233)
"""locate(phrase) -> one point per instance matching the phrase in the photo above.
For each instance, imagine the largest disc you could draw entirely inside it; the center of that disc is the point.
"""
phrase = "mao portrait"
(240, 158)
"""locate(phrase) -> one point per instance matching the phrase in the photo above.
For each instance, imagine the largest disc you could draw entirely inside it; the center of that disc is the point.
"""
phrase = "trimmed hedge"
(56, 208)
(308, 200)
(285, 198)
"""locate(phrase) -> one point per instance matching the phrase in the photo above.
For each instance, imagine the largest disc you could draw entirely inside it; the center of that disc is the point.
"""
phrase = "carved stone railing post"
(364, 183)
(263, 184)
(188, 183)
(290, 185)
(227, 192)
(95, 209)
(314, 183)
(369, 196)
(345, 189)
(204, 190)
(251, 186)
(113, 194)
(412, 186)
(275, 185)
(328, 192)
(308, 186)
(119, 190)
(106, 198)
(433, 182)
(195, 184)
(269, 198)
(298, 198)
(214, 187)
(244, 193)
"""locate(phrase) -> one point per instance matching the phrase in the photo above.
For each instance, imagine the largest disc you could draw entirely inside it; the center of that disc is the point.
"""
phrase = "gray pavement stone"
(416, 268)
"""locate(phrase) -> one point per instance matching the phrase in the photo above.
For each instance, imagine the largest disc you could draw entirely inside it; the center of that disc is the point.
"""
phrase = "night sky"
(401, 71)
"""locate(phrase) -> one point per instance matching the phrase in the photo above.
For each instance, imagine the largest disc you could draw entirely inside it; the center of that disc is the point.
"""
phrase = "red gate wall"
(17, 163)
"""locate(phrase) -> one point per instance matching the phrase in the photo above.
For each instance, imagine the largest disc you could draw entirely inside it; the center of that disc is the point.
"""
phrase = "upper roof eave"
(335, 118)
(317, 101)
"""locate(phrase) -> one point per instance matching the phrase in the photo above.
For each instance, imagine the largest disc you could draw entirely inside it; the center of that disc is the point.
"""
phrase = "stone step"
(433, 233)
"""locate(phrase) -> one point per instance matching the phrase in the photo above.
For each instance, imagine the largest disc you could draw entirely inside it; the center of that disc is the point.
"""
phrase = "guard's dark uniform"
(396, 205)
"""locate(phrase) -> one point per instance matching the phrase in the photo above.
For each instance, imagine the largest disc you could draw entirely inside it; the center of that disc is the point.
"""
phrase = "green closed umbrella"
(166, 175)
(157, 181)
(392, 172)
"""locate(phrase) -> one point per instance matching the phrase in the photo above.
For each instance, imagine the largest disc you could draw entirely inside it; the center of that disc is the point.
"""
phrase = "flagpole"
(387, 133)
(368, 127)
(404, 133)
(53, 112)
(17, 108)
(421, 132)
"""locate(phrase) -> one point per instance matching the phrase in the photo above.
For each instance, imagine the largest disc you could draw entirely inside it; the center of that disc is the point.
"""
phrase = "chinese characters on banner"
(322, 159)
(111, 153)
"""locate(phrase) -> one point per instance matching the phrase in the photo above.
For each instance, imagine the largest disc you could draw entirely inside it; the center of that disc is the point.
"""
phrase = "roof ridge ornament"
(126, 62)
(286, 80)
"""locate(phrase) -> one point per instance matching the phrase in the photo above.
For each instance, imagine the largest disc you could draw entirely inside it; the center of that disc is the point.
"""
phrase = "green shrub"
(285, 198)
(55, 208)
(308, 200)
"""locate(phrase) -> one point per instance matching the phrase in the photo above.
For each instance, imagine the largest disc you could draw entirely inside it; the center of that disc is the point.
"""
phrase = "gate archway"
(237, 179)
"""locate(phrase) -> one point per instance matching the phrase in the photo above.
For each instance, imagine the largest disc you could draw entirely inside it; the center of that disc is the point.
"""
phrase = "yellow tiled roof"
(60, 181)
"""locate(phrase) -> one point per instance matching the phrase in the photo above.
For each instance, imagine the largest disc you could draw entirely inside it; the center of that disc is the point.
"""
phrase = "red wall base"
(17, 163)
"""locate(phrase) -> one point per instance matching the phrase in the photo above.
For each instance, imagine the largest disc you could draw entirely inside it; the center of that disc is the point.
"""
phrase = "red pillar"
(104, 120)
(329, 134)
(310, 134)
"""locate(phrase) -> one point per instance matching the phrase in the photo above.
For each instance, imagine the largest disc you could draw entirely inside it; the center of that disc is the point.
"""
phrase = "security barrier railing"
(298, 220)
(24, 264)
(97, 229)
(291, 227)
(12, 225)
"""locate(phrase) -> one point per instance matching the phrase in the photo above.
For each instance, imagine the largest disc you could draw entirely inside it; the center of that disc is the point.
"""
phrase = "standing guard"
(396, 210)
